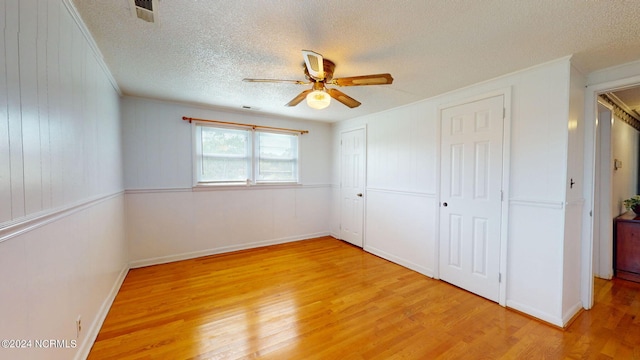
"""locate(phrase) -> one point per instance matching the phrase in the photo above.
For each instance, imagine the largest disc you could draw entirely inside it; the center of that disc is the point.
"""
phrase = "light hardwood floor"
(325, 299)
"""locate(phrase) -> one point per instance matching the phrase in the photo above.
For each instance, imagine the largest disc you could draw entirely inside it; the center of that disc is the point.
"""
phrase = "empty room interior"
(319, 179)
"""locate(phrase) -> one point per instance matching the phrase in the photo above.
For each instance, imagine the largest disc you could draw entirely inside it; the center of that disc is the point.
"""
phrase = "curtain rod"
(189, 119)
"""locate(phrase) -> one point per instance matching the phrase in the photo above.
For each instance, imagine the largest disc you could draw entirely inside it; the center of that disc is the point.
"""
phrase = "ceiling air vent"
(144, 9)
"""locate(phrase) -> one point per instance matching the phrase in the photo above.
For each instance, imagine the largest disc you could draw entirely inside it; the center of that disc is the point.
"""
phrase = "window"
(277, 157)
(227, 155)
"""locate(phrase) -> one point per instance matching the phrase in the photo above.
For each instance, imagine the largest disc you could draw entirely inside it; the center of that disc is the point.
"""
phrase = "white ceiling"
(198, 51)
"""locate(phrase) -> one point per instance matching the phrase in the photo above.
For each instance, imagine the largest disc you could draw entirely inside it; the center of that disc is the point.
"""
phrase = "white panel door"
(471, 192)
(352, 173)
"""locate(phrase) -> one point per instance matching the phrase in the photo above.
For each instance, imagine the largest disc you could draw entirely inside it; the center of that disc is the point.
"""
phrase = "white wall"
(402, 193)
(62, 244)
(168, 220)
(624, 181)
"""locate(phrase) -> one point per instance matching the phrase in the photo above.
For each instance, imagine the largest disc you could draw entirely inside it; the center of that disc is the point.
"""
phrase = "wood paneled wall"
(58, 138)
(62, 238)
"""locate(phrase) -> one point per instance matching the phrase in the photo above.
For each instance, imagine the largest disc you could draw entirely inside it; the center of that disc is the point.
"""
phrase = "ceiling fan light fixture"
(318, 99)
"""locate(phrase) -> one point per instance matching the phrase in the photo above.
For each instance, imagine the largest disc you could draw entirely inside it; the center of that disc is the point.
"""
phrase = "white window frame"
(256, 158)
(252, 153)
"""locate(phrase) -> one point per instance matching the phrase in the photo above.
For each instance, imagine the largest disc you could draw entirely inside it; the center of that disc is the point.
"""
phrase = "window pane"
(277, 157)
(225, 155)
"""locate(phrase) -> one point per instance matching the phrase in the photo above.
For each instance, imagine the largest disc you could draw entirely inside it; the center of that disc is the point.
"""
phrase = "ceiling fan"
(319, 73)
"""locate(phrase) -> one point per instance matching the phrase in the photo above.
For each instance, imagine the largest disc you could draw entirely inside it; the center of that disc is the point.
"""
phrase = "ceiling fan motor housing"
(328, 67)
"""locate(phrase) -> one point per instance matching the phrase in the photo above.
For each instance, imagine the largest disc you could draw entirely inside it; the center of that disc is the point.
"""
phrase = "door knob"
(359, 194)
(445, 204)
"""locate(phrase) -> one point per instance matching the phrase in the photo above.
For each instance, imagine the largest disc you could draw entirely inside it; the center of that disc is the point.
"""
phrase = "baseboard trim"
(535, 314)
(94, 328)
(571, 315)
(224, 249)
(400, 261)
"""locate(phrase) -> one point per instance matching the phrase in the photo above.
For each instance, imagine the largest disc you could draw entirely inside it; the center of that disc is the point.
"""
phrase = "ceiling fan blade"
(298, 82)
(314, 64)
(377, 79)
(343, 98)
(296, 100)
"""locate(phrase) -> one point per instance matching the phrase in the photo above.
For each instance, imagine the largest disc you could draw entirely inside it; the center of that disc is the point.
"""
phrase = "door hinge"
(501, 195)
(499, 277)
(504, 113)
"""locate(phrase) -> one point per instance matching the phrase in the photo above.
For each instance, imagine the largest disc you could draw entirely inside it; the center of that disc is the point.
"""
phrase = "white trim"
(402, 192)
(73, 11)
(438, 198)
(227, 188)
(23, 225)
(400, 261)
(220, 250)
(506, 186)
(590, 148)
(155, 191)
(195, 144)
(573, 310)
(554, 320)
(549, 204)
(603, 187)
(92, 333)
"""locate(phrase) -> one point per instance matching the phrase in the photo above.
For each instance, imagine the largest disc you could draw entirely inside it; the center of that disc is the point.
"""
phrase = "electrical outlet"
(78, 325)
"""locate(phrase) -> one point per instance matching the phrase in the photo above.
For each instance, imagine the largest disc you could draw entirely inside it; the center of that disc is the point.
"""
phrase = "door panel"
(352, 186)
(471, 189)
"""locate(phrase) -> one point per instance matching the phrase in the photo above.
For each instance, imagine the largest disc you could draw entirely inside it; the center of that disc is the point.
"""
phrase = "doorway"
(608, 178)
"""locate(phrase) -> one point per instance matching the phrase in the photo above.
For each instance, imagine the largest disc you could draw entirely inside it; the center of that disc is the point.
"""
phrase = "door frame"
(506, 157)
(590, 113)
(364, 200)
(602, 226)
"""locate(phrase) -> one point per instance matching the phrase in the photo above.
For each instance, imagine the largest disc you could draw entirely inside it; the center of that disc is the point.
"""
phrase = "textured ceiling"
(199, 51)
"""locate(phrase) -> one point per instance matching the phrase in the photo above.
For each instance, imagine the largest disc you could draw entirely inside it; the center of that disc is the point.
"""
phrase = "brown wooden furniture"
(627, 246)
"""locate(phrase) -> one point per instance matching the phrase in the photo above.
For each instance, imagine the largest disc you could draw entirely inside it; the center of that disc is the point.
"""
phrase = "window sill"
(243, 186)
